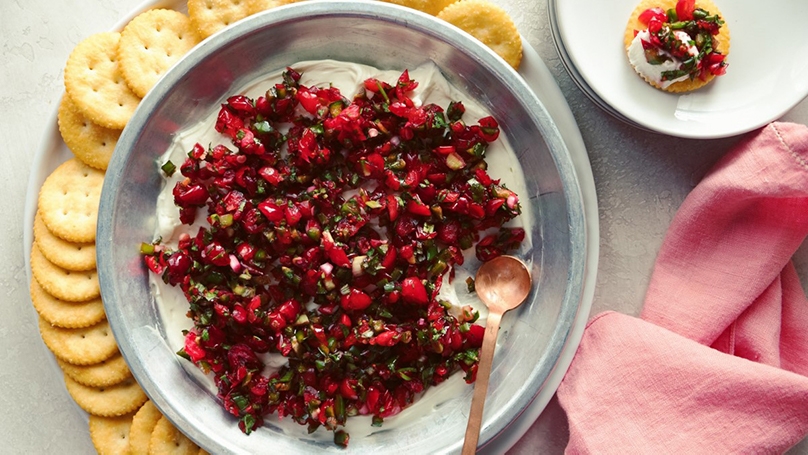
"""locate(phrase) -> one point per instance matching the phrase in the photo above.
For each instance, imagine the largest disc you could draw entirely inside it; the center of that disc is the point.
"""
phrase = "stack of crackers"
(106, 76)
(482, 19)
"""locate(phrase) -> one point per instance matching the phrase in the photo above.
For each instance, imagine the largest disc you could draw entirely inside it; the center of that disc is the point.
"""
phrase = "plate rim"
(677, 128)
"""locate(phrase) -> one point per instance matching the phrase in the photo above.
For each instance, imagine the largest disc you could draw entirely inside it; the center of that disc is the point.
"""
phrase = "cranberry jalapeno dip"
(319, 253)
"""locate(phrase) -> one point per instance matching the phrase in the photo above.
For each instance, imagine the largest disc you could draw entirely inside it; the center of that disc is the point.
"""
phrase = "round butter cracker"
(168, 440)
(64, 284)
(77, 257)
(116, 400)
(69, 199)
(634, 24)
(94, 82)
(151, 43)
(68, 315)
(103, 374)
(490, 24)
(256, 6)
(432, 7)
(110, 435)
(91, 143)
(86, 346)
(210, 16)
(143, 425)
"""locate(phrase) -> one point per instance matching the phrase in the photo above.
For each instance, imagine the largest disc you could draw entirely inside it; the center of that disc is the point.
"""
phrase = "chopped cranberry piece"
(272, 211)
(356, 300)
(194, 351)
(154, 265)
(413, 291)
(416, 207)
(190, 195)
(684, 9)
(653, 13)
(475, 335)
(289, 310)
(179, 264)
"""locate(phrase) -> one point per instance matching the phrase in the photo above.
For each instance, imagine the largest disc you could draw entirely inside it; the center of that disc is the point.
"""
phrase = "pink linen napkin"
(718, 361)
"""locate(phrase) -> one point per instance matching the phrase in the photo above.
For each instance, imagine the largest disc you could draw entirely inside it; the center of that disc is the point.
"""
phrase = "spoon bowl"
(502, 284)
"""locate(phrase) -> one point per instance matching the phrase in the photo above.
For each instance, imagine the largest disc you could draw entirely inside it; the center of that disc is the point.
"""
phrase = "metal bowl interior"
(389, 37)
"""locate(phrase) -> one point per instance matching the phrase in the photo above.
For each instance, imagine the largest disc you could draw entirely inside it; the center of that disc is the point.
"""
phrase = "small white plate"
(766, 77)
(575, 75)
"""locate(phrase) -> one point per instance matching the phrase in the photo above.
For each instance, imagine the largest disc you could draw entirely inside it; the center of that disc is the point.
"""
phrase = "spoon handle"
(481, 383)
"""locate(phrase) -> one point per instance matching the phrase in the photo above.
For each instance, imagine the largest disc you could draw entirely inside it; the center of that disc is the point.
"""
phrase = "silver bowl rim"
(373, 10)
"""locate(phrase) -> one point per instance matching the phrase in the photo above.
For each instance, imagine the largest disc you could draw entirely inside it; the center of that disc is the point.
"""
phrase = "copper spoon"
(502, 284)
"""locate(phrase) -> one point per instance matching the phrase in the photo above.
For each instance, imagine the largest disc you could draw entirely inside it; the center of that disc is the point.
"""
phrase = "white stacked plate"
(766, 77)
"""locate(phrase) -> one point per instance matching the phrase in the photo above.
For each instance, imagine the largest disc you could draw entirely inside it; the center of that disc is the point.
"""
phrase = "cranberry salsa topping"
(330, 225)
(685, 35)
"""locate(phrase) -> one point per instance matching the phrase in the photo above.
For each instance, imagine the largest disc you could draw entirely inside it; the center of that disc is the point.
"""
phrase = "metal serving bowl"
(388, 37)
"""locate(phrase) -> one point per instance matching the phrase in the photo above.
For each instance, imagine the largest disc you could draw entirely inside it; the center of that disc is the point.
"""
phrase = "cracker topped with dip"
(677, 46)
